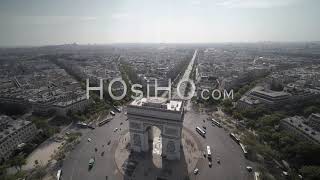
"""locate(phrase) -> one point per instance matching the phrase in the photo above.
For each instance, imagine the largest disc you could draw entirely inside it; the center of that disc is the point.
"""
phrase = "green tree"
(236, 115)
(18, 161)
(39, 172)
(310, 109)
(227, 103)
(3, 170)
(310, 172)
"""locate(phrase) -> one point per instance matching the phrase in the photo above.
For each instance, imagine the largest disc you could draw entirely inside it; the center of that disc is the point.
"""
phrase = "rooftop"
(297, 122)
(316, 115)
(13, 126)
(269, 93)
(158, 102)
(250, 100)
(4, 120)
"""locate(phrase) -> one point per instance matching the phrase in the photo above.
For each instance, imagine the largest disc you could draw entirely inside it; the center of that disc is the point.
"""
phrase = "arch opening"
(155, 144)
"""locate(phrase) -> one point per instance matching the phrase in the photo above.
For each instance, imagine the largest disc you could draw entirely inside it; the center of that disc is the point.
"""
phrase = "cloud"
(255, 3)
(195, 2)
(46, 20)
(89, 18)
(120, 15)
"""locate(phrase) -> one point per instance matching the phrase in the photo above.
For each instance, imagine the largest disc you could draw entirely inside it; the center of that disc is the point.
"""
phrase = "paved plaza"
(158, 166)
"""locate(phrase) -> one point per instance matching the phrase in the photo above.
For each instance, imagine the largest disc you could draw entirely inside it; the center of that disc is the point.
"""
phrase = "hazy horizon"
(44, 22)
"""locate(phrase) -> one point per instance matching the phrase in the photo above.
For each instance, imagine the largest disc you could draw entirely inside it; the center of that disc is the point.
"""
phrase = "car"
(95, 149)
(132, 162)
(249, 168)
(285, 173)
(204, 127)
(196, 171)
(89, 139)
(115, 130)
(112, 113)
(118, 109)
(91, 162)
(218, 161)
(210, 164)
(128, 166)
(121, 123)
(102, 153)
(109, 142)
(91, 127)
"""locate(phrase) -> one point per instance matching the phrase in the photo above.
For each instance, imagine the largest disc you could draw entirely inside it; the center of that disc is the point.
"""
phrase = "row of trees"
(273, 142)
(179, 68)
(17, 162)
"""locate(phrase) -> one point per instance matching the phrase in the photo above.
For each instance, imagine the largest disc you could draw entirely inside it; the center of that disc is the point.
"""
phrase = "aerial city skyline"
(159, 90)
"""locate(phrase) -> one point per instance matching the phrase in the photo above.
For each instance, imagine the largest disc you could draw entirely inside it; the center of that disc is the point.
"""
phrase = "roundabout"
(150, 165)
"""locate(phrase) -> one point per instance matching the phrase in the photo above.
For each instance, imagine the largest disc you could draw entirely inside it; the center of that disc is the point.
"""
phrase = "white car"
(89, 139)
(285, 173)
(249, 168)
(196, 171)
(115, 130)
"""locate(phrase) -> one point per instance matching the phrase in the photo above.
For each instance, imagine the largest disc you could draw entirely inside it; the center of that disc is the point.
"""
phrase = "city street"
(75, 167)
(233, 163)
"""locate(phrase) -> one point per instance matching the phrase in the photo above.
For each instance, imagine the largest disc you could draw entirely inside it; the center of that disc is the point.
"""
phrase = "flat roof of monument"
(158, 102)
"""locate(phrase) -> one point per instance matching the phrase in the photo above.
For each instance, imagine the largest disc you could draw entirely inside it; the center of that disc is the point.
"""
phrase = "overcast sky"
(43, 22)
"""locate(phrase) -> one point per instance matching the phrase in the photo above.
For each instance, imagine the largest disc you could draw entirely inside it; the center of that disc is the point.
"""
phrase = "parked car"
(196, 171)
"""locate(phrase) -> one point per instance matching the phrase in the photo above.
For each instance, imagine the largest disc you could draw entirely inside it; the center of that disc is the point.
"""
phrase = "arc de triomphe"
(165, 114)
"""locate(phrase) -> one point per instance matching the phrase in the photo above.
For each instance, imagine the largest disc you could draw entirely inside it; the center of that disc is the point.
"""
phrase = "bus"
(244, 150)
(103, 122)
(59, 174)
(200, 131)
(209, 152)
(215, 122)
(118, 109)
(256, 176)
(235, 138)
